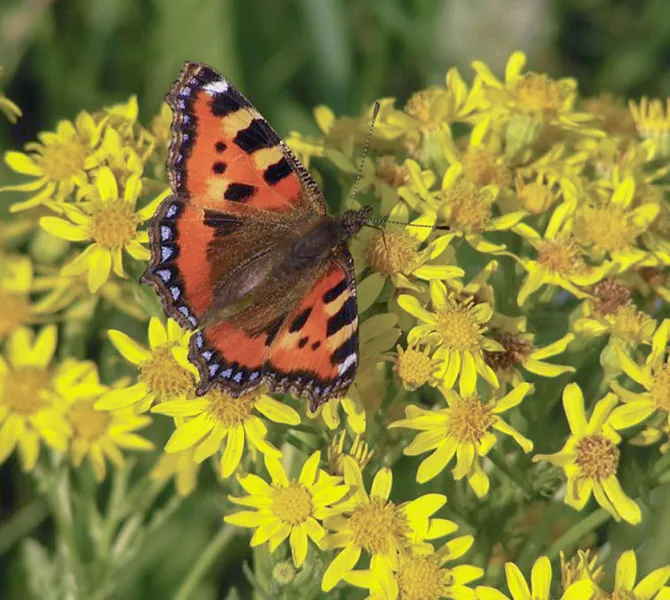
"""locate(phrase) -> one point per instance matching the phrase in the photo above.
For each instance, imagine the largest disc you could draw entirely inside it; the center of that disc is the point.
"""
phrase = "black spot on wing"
(300, 320)
(315, 345)
(334, 292)
(219, 167)
(278, 171)
(302, 342)
(220, 146)
(343, 317)
(230, 101)
(239, 192)
(223, 224)
(273, 329)
(256, 136)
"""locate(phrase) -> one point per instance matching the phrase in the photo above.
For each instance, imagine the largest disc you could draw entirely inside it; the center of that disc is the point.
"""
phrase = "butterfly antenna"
(373, 222)
(354, 188)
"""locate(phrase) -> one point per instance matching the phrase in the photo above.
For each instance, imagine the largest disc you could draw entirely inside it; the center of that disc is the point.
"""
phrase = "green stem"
(205, 562)
(578, 531)
(21, 523)
(512, 473)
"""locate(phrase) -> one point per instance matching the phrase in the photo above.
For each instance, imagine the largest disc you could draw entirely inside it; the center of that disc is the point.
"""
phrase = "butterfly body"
(244, 253)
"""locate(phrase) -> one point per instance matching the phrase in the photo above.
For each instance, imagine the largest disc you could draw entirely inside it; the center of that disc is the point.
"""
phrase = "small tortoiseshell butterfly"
(244, 253)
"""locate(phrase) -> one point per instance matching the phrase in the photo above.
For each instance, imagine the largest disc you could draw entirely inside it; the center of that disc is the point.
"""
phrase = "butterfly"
(244, 253)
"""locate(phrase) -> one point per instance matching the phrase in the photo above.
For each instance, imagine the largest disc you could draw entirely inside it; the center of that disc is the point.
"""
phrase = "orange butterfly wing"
(238, 191)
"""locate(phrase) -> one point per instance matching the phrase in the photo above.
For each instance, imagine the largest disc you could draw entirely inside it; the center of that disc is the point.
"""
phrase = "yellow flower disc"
(373, 524)
(164, 376)
(562, 255)
(392, 253)
(482, 167)
(660, 388)
(230, 411)
(464, 209)
(469, 419)
(597, 457)
(87, 422)
(538, 92)
(113, 224)
(24, 390)
(292, 504)
(63, 159)
(420, 578)
(15, 311)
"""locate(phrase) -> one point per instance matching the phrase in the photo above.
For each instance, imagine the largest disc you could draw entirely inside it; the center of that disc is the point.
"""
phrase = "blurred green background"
(62, 56)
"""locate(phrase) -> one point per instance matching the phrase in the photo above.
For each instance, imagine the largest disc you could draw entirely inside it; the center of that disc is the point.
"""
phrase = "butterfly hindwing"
(315, 354)
(310, 350)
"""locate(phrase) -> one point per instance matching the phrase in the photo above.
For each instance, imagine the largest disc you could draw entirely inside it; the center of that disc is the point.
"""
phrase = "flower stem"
(578, 531)
(512, 473)
(205, 562)
(21, 523)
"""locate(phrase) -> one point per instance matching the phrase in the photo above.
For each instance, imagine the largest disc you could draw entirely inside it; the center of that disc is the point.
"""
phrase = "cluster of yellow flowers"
(558, 228)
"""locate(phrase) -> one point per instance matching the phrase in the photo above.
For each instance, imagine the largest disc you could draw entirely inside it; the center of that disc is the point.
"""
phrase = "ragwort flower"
(457, 328)
(181, 466)
(651, 587)
(207, 421)
(164, 370)
(540, 585)
(288, 508)
(590, 457)
(31, 408)
(376, 525)
(16, 279)
(465, 429)
(110, 223)
(59, 161)
(652, 120)
(421, 574)
(97, 434)
(653, 376)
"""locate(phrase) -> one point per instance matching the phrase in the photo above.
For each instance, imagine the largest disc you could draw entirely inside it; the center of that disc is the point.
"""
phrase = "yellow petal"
(128, 347)
(233, 452)
(626, 572)
(100, 265)
(573, 404)
(309, 469)
(381, 485)
(64, 229)
(22, 163)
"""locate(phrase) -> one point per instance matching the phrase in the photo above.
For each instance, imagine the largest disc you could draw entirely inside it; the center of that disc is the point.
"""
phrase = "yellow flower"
(467, 208)
(393, 254)
(610, 228)
(181, 466)
(216, 417)
(16, 279)
(164, 370)
(613, 116)
(351, 405)
(457, 327)
(611, 311)
(653, 376)
(651, 587)
(421, 575)
(288, 508)
(465, 429)
(110, 223)
(59, 161)
(413, 366)
(582, 566)
(70, 294)
(376, 525)
(652, 120)
(384, 175)
(519, 350)
(533, 94)
(560, 261)
(590, 457)
(31, 405)
(98, 434)
(540, 585)
(358, 450)
(9, 108)
(160, 127)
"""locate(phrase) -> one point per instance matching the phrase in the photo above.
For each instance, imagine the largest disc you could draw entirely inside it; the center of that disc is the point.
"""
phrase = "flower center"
(421, 104)
(628, 321)
(608, 228)
(562, 255)
(420, 578)
(228, 410)
(469, 419)
(15, 311)
(597, 457)
(87, 422)
(516, 352)
(24, 390)
(660, 388)
(538, 92)
(63, 159)
(610, 295)
(375, 524)
(535, 197)
(292, 504)
(458, 327)
(113, 223)
(389, 171)
(164, 376)
(392, 253)
(464, 208)
(414, 367)
(483, 167)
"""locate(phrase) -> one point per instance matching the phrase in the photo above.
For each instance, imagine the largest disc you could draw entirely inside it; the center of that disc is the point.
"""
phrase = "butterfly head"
(353, 220)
